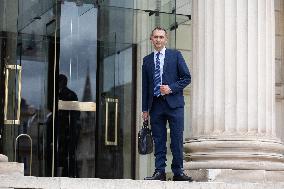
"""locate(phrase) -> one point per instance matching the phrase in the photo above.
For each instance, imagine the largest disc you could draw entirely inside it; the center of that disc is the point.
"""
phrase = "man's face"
(159, 39)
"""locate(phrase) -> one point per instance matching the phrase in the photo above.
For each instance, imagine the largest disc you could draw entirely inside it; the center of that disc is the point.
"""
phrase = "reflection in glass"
(67, 130)
(77, 61)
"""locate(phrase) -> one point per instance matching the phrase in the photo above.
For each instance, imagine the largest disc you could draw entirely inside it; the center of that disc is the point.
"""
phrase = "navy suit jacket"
(175, 74)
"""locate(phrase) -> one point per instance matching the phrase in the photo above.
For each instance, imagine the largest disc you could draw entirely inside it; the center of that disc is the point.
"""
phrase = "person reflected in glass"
(164, 76)
(69, 130)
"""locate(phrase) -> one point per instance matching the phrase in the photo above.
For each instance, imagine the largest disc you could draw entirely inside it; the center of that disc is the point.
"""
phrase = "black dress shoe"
(182, 177)
(157, 176)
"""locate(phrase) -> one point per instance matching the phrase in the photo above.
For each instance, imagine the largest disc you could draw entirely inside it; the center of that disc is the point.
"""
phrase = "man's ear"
(167, 38)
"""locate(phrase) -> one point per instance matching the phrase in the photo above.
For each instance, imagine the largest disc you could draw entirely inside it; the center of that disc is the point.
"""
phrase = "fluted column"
(233, 87)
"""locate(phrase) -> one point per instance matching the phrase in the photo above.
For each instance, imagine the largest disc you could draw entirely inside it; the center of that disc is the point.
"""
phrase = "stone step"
(3, 158)
(11, 169)
(95, 183)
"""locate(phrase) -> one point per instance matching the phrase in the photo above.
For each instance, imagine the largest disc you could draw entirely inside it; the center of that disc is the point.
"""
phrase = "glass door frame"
(133, 106)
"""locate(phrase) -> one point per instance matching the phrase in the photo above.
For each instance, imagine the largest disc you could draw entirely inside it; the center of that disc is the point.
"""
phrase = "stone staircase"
(10, 168)
(21, 182)
(12, 177)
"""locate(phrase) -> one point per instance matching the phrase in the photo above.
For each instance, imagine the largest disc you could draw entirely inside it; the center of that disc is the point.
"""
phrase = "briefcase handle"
(146, 123)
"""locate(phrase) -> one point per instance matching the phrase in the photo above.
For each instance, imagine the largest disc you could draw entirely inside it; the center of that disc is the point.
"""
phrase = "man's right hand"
(145, 116)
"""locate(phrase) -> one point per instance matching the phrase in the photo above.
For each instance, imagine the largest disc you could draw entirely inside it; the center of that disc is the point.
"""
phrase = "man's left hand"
(165, 89)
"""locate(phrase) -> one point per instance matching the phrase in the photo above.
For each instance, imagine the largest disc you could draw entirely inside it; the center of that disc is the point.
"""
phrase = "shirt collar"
(162, 52)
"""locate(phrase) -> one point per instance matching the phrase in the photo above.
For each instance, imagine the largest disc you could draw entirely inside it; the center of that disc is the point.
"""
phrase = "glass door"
(35, 57)
(95, 101)
(115, 127)
(68, 90)
(115, 113)
(25, 87)
(76, 119)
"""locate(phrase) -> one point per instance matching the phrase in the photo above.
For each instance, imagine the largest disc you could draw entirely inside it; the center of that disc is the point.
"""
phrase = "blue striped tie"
(157, 78)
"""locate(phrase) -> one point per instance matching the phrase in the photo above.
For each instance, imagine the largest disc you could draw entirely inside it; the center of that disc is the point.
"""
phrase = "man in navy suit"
(164, 76)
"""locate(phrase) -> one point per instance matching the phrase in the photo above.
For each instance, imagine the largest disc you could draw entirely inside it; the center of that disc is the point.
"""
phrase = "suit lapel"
(152, 65)
(166, 61)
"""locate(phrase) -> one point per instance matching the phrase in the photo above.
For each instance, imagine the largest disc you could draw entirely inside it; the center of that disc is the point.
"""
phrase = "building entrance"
(69, 100)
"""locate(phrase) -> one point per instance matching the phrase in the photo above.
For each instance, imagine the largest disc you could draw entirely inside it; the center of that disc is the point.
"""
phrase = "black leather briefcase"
(145, 139)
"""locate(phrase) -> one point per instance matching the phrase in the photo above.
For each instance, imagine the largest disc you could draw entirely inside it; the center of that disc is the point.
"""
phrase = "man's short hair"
(159, 28)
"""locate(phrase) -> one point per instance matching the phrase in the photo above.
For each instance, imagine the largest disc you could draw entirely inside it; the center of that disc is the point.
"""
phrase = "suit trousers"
(160, 114)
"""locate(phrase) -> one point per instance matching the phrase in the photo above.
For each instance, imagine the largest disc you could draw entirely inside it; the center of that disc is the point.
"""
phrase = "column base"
(235, 164)
(242, 154)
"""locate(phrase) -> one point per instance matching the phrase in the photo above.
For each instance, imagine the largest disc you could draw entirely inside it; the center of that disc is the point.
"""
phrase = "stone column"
(233, 87)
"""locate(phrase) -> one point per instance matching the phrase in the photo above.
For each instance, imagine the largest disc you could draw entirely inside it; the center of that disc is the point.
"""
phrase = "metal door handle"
(7, 72)
(107, 141)
(77, 106)
(31, 151)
